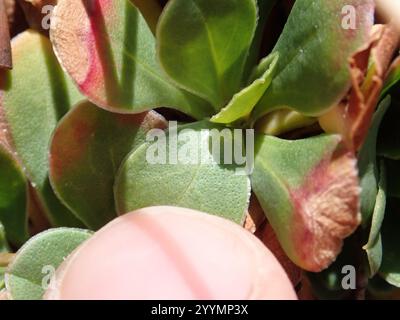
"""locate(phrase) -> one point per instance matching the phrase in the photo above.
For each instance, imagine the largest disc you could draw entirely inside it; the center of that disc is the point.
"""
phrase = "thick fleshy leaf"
(203, 45)
(390, 269)
(367, 165)
(109, 51)
(37, 12)
(374, 244)
(389, 133)
(264, 9)
(179, 170)
(374, 255)
(13, 199)
(243, 102)
(282, 121)
(310, 194)
(35, 95)
(31, 271)
(314, 47)
(87, 149)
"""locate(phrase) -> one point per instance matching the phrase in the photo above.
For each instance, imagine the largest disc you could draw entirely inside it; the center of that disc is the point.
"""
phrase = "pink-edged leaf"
(34, 95)
(310, 194)
(318, 39)
(87, 149)
(108, 49)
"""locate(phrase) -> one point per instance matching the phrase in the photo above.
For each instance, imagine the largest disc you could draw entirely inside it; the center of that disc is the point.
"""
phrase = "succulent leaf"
(264, 9)
(13, 199)
(203, 45)
(374, 244)
(243, 102)
(86, 152)
(34, 95)
(310, 195)
(109, 51)
(312, 73)
(367, 165)
(35, 263)
(193, 180)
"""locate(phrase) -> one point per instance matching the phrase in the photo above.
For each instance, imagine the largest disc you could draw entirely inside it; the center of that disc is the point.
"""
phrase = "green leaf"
(374, 244)
(86, 152)
(367, 166)
(309, 191)
(109, 51)
(389, 133)
(3, 239)
(374, 254)
(35, 263)
(264, 9)
(35, 95)
(282, 121)
(181, 170)
(13, 199)
(315, 47)
(390, 269)
(2, 284)
(243, 102)
(3, 249)
(203, 45)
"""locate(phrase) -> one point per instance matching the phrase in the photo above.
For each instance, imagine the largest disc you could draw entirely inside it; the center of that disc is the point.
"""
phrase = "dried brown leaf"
(327, 210)
(352, 117)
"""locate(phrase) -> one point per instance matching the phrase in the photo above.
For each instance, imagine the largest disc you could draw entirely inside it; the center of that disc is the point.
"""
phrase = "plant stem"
(5, 45)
